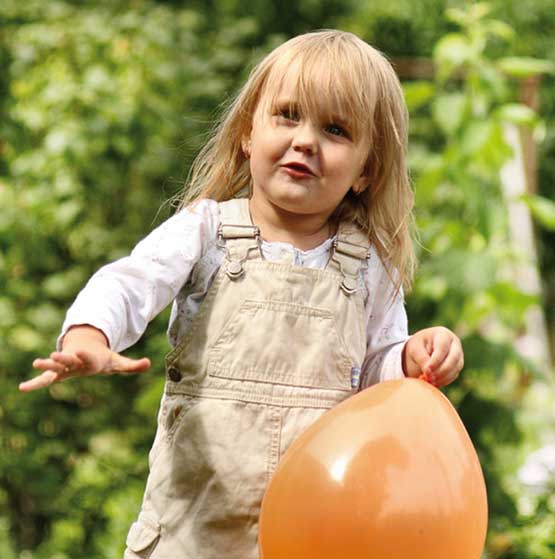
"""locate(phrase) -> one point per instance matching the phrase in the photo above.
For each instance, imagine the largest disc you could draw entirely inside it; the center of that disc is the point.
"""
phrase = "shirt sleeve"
(121, 298)
(386, 327)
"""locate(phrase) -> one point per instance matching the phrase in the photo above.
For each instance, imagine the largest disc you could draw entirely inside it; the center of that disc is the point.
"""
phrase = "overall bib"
(272, 347)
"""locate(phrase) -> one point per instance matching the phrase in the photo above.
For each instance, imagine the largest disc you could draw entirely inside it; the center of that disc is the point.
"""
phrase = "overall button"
(234, 269)
(174, 373)
(349, 285)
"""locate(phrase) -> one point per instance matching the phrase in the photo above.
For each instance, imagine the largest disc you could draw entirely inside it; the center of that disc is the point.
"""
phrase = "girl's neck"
(277, 225)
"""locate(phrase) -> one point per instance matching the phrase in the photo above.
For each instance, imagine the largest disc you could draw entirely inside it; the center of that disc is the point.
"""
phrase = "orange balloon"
(390, 473)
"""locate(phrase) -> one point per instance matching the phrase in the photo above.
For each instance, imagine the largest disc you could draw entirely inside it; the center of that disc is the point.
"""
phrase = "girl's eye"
(288, 114)
(337, 130)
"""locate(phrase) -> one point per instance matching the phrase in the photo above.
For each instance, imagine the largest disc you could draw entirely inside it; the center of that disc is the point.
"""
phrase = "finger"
(128, 365)
(48, 364)
(441, 349)
(68, 360)
(449, 369)
(42, 381)
(418, 354)
(90, 363)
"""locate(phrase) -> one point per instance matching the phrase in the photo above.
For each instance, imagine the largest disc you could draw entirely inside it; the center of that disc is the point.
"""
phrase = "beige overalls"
(272, 347)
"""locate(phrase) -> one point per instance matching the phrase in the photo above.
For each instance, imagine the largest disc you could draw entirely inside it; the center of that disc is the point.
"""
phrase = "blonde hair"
(335, 70)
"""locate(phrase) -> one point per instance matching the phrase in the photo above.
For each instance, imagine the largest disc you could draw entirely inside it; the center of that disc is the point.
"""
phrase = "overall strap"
(237, 234)
(350, 251)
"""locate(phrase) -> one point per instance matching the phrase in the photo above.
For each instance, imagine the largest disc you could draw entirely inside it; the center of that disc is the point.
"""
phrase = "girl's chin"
(294, 201)
(293, 197)
(286, 191)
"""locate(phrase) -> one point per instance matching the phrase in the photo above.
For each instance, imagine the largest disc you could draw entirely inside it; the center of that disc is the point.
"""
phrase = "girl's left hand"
(435, 353)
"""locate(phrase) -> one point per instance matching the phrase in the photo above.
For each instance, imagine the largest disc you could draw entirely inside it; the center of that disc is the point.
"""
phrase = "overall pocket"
(142, 538)
(282, 343)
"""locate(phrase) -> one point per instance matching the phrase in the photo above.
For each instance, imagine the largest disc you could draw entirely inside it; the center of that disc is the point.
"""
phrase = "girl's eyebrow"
(338, 119)
(286, 102)
(290, 103)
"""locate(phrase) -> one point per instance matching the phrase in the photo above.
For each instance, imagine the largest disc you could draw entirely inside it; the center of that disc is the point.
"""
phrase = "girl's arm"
(113, 310)
(386, 328)
(124, 296)
(434, 353)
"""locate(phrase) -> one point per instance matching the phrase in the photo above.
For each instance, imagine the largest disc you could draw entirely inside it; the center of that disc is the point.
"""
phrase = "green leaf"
(449, 110)
(542, 209)
(64, 284)
(499, 29)
(149, 397)
(44, 316)
(469, 15)
(26, 338)
(457, 15)
(464, 271)
(517, 113)
(433, 287)
(429, 177)
(67, 212)
(8, 315)
(476, 135)
(418, 94)
(522, 66)
(68, 533)
(453, 50)
(6, 547)
(479, 10)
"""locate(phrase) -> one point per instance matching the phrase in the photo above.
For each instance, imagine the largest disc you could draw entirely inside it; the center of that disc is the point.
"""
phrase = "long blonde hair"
(334, 70)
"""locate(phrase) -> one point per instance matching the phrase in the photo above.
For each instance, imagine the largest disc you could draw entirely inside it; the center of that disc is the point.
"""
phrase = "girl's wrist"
(79, 335)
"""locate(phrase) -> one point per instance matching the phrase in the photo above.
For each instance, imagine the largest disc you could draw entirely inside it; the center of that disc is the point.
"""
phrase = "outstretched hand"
(435, 354)
(85, 353)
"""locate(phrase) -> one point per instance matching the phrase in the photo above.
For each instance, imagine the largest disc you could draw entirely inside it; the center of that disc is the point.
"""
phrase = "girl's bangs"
(326, 88)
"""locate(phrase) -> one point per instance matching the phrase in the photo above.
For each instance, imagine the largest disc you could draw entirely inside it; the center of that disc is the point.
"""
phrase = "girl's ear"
(246, 146)
(359, 186)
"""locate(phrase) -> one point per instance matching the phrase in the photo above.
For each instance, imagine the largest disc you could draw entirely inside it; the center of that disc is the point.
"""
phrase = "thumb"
(417, 357)
(121, 364)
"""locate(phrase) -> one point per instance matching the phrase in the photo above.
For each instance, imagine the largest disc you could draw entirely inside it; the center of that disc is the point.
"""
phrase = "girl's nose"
(305, 138)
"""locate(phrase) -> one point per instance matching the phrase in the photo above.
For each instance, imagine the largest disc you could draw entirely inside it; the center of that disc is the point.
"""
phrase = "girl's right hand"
(85, 352)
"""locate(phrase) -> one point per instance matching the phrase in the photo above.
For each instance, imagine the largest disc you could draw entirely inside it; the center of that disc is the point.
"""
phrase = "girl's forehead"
(313, 91)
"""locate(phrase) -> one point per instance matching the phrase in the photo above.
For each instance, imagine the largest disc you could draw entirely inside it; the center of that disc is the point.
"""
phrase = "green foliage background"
(104, 104)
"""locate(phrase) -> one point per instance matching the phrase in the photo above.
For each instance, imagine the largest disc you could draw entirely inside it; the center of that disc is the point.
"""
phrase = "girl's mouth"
(298, 170)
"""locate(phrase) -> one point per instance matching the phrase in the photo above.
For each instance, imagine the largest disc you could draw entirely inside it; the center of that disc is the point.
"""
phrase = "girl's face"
(300, 164)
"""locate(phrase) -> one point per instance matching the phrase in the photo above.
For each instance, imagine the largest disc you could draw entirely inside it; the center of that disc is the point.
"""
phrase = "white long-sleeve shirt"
(177, 262)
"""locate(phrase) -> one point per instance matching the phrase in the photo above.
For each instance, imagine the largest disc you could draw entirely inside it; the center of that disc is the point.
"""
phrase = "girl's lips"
(298, 170)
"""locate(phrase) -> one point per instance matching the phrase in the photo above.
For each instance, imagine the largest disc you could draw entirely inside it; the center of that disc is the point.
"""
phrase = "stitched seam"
(287, 401)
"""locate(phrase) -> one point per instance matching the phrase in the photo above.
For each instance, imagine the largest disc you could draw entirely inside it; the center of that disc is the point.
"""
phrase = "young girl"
(286, 267)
